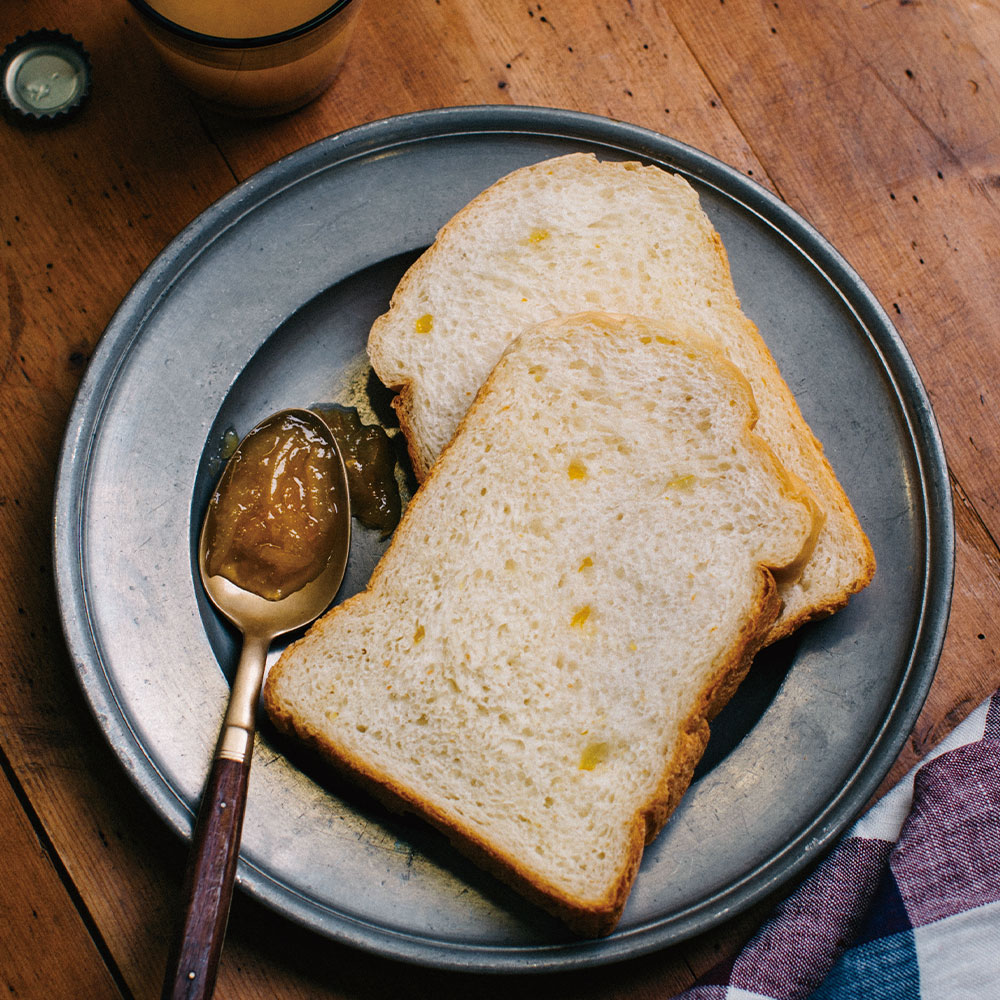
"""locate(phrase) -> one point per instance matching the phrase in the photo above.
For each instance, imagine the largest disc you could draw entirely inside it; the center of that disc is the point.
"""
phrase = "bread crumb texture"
(573, 234)
(578, 579)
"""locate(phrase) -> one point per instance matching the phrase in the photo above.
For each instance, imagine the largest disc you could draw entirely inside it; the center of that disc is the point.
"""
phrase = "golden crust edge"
(595, 918)
(591, 918)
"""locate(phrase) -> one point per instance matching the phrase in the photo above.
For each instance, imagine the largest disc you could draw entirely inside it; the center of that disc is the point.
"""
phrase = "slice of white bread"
(575, 233)
(574, 591)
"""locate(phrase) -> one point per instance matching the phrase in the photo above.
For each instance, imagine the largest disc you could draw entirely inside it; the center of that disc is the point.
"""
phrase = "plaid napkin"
(906, 906)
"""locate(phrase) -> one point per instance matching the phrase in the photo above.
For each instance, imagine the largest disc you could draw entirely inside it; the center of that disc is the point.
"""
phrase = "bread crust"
(589, 917)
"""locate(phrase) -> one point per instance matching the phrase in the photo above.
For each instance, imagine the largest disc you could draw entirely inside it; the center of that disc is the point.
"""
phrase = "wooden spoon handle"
(208, 883)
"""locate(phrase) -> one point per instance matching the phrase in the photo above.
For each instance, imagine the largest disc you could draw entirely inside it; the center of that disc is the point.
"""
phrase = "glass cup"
(251, 58)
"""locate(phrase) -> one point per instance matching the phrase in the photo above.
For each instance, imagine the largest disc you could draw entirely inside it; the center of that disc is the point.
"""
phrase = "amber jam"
(274, 516)
(370, 462)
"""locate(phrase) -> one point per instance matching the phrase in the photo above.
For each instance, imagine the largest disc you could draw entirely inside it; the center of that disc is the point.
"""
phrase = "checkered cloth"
(906, 906)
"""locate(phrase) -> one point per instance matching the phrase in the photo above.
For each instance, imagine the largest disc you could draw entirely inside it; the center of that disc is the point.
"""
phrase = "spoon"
(297, 513)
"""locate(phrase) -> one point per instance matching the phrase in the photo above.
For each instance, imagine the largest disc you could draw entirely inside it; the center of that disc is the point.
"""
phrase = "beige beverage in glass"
(251, 57)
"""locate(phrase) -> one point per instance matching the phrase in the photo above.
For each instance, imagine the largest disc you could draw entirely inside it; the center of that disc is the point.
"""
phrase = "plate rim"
(125, 327)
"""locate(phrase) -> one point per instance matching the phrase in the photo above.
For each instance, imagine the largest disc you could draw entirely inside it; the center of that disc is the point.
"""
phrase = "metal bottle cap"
(45, 76)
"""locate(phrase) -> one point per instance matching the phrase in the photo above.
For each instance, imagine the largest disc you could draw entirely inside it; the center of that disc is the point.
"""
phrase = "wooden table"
(878, 121)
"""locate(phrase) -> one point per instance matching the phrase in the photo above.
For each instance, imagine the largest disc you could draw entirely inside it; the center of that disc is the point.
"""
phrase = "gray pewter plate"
(264, 302)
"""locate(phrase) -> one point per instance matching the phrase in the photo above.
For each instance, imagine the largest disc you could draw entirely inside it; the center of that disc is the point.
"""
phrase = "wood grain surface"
(879, 121)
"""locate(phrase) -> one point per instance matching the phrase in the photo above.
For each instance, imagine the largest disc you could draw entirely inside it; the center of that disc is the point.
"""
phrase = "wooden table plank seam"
(74, 899)
(205, 125)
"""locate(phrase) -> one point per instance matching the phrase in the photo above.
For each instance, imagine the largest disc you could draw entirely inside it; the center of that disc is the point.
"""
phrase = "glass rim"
(221, 41)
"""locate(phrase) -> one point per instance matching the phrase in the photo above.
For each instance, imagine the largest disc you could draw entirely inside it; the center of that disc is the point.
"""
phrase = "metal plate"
(265, 302)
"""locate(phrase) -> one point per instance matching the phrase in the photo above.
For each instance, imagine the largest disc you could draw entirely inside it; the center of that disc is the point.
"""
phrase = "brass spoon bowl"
(208, 887)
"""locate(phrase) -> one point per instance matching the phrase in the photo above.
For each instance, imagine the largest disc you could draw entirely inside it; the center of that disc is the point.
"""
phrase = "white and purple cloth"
(906, 906)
